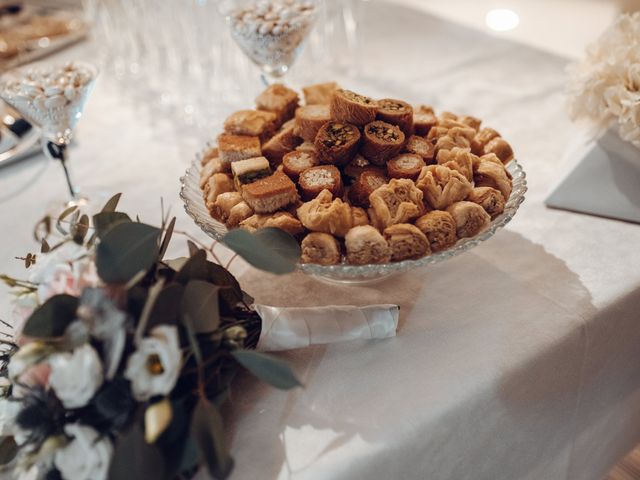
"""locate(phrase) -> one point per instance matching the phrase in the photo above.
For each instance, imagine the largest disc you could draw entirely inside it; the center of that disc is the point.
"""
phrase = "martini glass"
(52, 98)
(271, 33)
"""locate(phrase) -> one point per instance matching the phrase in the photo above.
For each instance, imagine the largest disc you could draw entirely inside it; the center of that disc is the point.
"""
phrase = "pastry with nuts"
(396, 182)
(381, 142)
(337, 143)
(350, 107)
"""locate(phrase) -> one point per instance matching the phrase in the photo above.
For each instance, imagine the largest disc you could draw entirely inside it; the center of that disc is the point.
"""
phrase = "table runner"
(518, 359)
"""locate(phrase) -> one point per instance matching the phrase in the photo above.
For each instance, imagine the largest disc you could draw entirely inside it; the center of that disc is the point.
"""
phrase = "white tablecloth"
(517, 360)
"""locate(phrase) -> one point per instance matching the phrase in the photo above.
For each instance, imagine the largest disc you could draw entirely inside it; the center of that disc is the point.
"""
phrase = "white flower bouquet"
(123, 357)
(604, 88)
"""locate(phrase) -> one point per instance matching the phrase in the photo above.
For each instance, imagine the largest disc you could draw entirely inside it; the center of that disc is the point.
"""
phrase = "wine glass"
(52, 98)
(271, 33)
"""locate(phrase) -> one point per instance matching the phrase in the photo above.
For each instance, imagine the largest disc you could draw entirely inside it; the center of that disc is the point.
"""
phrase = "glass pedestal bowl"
(193, 199)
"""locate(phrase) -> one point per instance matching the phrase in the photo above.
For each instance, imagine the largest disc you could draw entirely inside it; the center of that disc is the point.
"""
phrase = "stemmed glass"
(271, 33)
(52, 98)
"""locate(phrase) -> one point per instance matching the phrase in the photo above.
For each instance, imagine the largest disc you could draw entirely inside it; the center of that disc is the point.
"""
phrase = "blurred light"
(502, 19)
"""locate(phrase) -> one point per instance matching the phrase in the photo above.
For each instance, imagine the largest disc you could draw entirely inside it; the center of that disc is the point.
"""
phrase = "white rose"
(154, 367)
(64, 270)
(86, 457)
(8, 412)
(23, 306)
(75, 377)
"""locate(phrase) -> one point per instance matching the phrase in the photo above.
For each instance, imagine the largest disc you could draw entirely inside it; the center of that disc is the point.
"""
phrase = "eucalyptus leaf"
(207, 430)
(103, 221)
(269, 249)
(167, 238)
(200, 305)
(125, 250)
(8, 450)
(193, 248)
(112, 203)
(176, 264)
(194, 268)
(80, 229)
(44, 246)
(51, 319)
(135, 458)
(269, 369)
(65, 213)
(193, 340)
(166, 310)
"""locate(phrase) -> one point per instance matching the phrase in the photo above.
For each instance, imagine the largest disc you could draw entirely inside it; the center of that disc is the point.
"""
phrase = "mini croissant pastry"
(494, 175)
(320, 248)
(406, 241)
(470, 218)
(442, 186)
(439, 228)
(381, 142)
(396, 112)
(399, 201)
(349, 107)
(460, 159)
(326, 214)
(337, 143)
(488, 198)
(366, 245)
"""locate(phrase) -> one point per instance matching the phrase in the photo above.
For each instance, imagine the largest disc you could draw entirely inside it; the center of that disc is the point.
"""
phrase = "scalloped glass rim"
(192, 196)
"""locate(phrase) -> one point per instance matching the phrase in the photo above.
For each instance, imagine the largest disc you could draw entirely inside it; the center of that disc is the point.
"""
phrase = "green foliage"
(52, 318)
(103, 221)
(207, 430)
(269, 369)
(135, 458)
(200, 305)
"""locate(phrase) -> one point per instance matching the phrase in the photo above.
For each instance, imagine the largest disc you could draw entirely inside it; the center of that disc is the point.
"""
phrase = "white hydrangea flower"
(604, 88)
(75, 377)
(86, 457)
(154, 367)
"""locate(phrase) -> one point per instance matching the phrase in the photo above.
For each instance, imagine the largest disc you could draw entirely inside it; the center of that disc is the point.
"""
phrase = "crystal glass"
(271, 33)
(52, 98)
(192, 197)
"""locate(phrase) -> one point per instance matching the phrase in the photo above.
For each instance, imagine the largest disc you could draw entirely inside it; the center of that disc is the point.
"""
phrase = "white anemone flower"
(154, 367)
(87, 456)
(75, 377)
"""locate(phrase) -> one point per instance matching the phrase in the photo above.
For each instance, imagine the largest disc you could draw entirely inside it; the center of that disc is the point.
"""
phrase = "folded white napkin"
(289, 328)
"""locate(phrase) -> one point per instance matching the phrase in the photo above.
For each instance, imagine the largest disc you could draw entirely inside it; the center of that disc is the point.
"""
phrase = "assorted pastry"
(357, 180)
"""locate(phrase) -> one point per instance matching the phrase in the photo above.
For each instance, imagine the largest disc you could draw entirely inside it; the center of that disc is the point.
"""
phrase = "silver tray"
(193, 199)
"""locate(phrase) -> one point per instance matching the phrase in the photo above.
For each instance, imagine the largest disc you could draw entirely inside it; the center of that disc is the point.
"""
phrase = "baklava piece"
(249, 170)
(399, 201)
(251, 123)
(326, 214)
(337, 143)
(294, 163)
(238, 213)
(424, 119)
(280, 100)
(482, 138)
(316, 179)
(381, 142)
(218, 184)
(459, 159)
(320, 248)
(209, 154)
(309, 120)
(406, 242)
(488, 198)
(306, 147)
(282, 220)
(494, 175)
(501, 148)
(270, 193)
(349, 107)
(440, 229)
(221, 208)
(359, 216)
(470, 218)
(449, 143)
(281, 143)
(366, 245)
(320, 93)
(205, 174)
(421, 146)
(396, 112)
(406, 165)
(470, 121)
(436, 133)
(442, 186)
(368, 181)
(236, 147)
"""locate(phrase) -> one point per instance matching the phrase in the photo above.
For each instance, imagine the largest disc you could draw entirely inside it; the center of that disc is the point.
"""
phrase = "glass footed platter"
(193, 199)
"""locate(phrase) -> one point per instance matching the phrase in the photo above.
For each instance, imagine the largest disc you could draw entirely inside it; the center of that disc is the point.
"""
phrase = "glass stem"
(59, 152)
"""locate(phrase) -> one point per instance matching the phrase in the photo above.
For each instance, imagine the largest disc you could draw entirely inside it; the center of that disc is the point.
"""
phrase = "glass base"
(353, 281)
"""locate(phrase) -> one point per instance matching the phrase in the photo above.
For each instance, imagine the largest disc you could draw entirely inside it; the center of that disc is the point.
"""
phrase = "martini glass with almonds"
(271, 33)
(52, 98)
